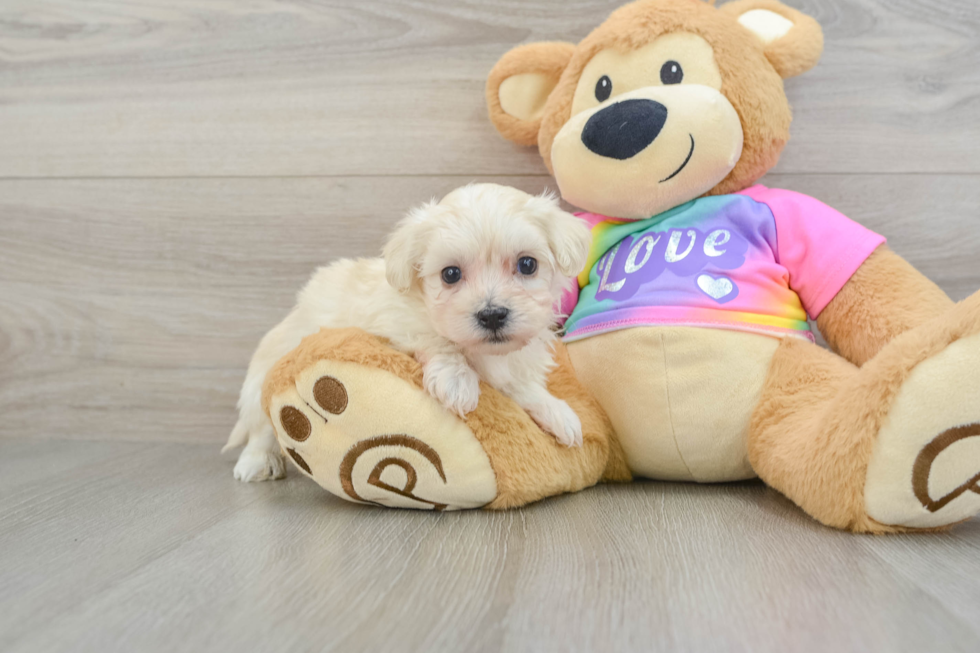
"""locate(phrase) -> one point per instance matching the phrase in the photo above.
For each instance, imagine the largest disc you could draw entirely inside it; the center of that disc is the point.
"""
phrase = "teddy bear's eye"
(603, 88)
(671, 73)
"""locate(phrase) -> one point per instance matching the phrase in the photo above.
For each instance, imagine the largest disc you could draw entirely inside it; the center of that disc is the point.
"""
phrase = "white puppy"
(467, 284)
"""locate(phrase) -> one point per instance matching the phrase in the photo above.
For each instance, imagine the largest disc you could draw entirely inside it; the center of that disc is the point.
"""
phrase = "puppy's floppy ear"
(519, 85)
(406, 245)
(568, 237)
(792, 41)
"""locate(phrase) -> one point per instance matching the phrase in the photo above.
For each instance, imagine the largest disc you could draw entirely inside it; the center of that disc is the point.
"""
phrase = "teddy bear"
(687, 350)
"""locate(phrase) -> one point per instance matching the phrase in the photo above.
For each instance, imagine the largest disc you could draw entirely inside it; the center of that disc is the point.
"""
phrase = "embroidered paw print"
(369, 436)
(331, 396)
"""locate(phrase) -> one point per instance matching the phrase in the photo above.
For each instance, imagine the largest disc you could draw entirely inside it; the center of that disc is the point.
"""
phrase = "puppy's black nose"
(623, 130)
(493, 318)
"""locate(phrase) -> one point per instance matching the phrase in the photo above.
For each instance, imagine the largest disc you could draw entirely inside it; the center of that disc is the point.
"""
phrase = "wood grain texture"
(221, 87)
(156, 548)
(129, 308)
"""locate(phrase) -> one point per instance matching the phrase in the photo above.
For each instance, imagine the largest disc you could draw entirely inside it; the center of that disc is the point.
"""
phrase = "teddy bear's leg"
(351, 413)
(891, 446)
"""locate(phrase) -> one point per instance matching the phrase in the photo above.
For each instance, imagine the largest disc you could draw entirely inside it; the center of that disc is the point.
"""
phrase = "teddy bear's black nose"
(624, 129)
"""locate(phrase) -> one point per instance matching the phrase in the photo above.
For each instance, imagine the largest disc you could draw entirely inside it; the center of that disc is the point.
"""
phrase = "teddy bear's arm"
(884, 298)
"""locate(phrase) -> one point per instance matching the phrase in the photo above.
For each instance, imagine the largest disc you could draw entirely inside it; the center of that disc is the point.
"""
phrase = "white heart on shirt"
(715, 288)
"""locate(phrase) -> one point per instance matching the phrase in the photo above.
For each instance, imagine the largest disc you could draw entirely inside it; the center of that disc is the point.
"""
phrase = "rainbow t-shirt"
(759, 260)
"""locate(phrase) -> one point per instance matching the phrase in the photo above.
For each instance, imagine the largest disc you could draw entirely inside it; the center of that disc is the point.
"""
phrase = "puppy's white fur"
(484, 230)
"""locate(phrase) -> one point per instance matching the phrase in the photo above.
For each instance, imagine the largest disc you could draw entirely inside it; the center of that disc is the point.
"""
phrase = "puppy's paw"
(259, 465)
(557, 418)
(457, 387)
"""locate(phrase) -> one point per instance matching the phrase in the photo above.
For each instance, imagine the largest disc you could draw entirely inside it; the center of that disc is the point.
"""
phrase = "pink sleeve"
(820, 247)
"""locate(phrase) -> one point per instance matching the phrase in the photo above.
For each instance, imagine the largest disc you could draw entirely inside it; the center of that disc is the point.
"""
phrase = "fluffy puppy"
(468, 285)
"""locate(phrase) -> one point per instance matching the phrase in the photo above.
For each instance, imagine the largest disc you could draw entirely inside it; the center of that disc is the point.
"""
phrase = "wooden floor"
(143, 546)
(171, 171)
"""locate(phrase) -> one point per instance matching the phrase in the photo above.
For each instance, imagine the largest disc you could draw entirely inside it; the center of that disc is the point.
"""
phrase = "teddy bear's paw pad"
(369, 436)
(925, 468)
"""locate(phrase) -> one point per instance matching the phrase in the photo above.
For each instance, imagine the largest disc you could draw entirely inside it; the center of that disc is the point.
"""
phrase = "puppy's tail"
(238, 437)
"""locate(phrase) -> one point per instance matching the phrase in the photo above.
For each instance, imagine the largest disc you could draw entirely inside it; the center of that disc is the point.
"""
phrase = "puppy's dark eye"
(603, 88)
(527, 266)
(671, 73)
(451, 275)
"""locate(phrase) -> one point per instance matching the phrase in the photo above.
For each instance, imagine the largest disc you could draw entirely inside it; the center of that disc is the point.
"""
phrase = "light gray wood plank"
(22, 461)
(946, 573)
(168, 552)
(129, 308)
(67, 537)
(196, 88)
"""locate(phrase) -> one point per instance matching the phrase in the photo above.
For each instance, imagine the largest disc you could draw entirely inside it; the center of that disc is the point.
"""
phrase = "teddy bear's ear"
(519, 86)
(792, 40)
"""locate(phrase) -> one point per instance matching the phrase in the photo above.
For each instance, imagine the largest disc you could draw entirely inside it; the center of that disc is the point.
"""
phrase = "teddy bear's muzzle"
(647, 150)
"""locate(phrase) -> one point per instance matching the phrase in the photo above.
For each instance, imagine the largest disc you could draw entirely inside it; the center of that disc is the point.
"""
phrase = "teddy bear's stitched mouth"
(683, 165)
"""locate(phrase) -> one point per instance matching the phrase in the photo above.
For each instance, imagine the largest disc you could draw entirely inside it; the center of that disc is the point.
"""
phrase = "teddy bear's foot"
(352, 414)
(368, 436)
(891, 446)
(924, 470)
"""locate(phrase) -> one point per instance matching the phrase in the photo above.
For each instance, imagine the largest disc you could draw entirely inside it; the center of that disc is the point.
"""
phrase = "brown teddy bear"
(689, 327)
